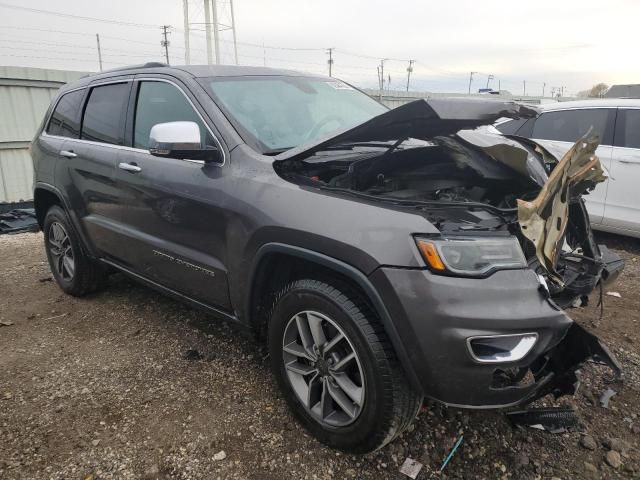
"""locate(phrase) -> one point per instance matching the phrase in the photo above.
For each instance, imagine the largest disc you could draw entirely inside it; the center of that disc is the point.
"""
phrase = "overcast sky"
(570, 43)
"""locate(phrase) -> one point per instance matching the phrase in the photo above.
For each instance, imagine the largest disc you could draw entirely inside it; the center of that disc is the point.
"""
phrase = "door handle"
(630, 161)
(129, 167)
(68, 154)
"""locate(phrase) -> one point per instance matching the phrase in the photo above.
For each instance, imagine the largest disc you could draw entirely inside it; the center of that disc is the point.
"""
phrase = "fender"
(353, 274)
(75, 223)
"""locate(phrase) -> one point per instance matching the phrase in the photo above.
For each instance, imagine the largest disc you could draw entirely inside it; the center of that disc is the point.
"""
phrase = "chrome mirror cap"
(166, 138)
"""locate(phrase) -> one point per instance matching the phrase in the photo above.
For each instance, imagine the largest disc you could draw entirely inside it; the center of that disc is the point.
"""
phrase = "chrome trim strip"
(513, 358)
(133, 149)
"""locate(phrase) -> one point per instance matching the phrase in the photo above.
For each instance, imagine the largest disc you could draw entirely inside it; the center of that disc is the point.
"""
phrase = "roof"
(623, 91)
(594, 102)
(186, 71)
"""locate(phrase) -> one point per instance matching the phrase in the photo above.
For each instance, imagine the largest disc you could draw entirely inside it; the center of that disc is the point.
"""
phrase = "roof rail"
(132, 67)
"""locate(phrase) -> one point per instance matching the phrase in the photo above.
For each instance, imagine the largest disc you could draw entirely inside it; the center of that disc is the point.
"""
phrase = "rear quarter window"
(570, 125)
(65, 120)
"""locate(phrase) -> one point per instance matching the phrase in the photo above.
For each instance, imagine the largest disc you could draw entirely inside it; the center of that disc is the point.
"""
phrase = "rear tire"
(74, 272)
(376, 404)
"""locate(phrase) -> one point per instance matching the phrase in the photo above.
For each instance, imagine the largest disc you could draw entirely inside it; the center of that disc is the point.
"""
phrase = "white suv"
(614, 205)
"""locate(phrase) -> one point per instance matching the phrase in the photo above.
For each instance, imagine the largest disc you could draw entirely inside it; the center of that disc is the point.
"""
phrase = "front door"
(172, 215)
(622, 211)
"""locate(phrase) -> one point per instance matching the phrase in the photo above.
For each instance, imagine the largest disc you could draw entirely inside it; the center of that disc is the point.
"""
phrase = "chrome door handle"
(68, 154)
(129, 167)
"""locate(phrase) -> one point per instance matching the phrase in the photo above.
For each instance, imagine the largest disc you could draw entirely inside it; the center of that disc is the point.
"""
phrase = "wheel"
(74, 272)
(337, 368)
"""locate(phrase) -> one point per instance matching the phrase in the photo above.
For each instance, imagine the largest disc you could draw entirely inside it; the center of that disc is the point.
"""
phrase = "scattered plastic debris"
(552, 420)
(56, 316)
(411, 468)
(606, 396)
(18, 220)
(614, 294)
(193, 355)
(221, 455)
(5, 323)
(453, 450)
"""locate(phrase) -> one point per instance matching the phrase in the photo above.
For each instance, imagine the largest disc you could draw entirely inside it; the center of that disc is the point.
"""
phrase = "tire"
(74, 272)
(379, 405)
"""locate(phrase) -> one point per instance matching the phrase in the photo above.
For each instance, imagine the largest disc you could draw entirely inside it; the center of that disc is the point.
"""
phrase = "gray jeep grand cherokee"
(382, 255)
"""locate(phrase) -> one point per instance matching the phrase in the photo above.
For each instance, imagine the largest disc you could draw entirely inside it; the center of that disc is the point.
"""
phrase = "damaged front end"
(499, 203)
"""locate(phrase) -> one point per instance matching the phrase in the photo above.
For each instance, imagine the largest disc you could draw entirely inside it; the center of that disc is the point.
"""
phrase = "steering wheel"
(321, 124)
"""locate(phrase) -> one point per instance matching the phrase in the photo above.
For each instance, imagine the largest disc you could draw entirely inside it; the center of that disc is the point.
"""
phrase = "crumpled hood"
(421, 119)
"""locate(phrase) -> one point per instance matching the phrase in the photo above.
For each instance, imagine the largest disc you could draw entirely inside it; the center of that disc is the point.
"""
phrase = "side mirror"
(180, 140)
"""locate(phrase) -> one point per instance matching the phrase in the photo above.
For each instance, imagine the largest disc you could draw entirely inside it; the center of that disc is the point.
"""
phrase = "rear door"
(558, 130)
(622, 210)
(174, 218)
(87, 173)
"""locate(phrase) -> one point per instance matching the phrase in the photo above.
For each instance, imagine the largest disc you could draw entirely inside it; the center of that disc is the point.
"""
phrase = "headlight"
(473, 257)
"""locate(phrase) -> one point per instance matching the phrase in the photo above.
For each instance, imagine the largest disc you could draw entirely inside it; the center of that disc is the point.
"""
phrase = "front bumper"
(435, 315)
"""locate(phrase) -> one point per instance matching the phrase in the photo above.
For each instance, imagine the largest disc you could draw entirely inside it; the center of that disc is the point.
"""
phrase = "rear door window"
(104, 114)
(570, 125)
(65, 121)
(161, 102)
(628, 128)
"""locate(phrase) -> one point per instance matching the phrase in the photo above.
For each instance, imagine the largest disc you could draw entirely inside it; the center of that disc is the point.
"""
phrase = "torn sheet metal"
(544, 219)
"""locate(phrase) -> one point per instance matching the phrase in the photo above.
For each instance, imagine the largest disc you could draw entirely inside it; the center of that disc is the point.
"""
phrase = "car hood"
(421, 119)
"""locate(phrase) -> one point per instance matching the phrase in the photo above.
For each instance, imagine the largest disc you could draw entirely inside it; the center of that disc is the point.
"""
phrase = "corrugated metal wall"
(25, 95)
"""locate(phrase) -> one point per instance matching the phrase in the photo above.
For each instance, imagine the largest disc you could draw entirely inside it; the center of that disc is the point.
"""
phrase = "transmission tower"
(211, 22)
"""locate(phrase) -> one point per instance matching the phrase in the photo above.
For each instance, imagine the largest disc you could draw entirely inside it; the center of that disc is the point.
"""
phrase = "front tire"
(74, 272)
(337, 368)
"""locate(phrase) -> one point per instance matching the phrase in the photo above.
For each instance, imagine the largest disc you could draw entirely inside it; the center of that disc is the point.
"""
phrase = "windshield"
(278, 112)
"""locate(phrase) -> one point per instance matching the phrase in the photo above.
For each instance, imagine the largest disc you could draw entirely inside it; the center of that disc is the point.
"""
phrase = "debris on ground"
(193, 355)
(453, 450)
(606, 396)
(411, 468)
(5, 323)
(552, 420)
(19, 220)
(588, 442)
(221, 455)
(613, 459)
(614, 294)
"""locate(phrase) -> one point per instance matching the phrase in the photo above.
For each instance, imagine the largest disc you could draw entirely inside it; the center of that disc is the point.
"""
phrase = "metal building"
(25, 95)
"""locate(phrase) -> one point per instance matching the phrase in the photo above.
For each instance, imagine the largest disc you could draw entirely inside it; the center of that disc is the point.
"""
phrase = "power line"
(77, 17)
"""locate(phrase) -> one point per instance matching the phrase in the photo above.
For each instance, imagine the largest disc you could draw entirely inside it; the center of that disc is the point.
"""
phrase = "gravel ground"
(129, 384)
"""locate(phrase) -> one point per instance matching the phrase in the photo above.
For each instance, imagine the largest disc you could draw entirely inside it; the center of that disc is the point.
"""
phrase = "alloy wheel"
(323, 369)
(61, 251)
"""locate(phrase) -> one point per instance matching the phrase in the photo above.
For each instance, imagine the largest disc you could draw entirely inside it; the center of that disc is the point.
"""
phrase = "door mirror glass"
(180, 140)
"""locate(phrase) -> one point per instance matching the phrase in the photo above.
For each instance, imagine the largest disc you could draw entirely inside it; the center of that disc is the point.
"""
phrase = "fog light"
(501, 348)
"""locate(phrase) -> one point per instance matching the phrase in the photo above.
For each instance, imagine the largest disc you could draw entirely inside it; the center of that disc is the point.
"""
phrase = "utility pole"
(330, 61)
(499, 87)
(233, 26)
(382, 73)
(471, 74)
(409, 72)
(216, 30)
(524, 88)
(187, 50)
(544, 85)
(165, 42)
(489, 78)
(207, 29)
(99, 51)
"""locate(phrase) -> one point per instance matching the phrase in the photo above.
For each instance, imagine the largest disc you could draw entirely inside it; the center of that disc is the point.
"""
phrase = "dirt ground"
(129, 384)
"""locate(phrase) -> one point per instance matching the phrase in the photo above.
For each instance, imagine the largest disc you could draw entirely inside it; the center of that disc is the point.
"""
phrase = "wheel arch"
(289, 259)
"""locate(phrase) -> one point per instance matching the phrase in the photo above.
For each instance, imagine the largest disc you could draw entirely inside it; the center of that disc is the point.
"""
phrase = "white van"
(614, 205)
